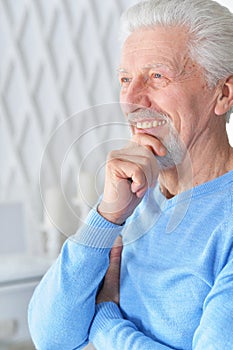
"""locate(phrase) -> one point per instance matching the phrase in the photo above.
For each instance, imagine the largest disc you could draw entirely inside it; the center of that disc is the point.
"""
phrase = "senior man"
(169, 194)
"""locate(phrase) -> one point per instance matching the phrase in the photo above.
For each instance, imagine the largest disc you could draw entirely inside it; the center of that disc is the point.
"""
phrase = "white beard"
(176, 150)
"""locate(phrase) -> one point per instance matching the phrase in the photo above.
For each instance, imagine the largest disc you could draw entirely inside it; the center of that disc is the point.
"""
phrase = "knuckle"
(139, 172)
(112, 155)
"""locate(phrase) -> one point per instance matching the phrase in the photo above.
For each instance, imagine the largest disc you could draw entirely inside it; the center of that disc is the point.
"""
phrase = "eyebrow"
(121, 70)
(145, 67)
(170, 66)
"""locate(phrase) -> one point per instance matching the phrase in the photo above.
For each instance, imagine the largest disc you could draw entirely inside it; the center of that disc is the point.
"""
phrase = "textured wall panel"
(58, 57)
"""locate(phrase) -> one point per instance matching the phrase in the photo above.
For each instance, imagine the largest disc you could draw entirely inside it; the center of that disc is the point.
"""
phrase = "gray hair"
(209, 25)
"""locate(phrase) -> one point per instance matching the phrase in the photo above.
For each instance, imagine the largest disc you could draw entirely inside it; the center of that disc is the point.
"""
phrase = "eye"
(125, 81)
(158, 79)
(157, 75)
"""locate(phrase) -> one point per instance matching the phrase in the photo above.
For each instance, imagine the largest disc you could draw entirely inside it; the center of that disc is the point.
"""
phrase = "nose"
(135, 95)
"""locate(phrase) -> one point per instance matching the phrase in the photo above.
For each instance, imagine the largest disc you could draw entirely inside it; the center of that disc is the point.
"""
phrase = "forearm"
(111, 331)
(63, 305)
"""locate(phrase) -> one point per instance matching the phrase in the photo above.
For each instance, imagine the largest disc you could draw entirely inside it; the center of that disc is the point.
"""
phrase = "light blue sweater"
(176, 289)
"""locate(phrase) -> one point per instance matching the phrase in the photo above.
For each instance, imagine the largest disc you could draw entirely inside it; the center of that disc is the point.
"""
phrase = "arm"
(63, 305)
(215, 330)
(111, 331)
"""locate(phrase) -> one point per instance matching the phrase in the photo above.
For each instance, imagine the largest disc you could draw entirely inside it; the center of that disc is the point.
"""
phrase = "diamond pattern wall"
(58, 57)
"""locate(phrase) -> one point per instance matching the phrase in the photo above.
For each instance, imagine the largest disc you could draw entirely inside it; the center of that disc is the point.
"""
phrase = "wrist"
(111, 217)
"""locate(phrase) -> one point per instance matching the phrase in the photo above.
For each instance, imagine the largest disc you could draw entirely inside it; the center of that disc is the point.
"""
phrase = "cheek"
(169, 95)
(182, 109)
(200, 105)
(170, 101)
(186, 105)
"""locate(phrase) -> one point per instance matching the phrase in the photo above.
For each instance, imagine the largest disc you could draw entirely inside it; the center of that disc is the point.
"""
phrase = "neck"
(203, 162)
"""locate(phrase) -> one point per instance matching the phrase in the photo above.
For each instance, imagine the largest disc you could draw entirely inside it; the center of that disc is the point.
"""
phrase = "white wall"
(57, 58)
(227, 3)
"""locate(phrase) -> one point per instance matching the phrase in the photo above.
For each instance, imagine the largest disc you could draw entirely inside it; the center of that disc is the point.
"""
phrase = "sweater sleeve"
(63, 304)
(111, 331)
(215, 329)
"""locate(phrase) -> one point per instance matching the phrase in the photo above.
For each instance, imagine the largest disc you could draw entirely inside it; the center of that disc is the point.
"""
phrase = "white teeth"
(149, 125)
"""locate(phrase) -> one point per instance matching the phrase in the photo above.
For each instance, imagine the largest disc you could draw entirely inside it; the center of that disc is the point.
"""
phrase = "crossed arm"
(109, 330)
(63, 313)
(118, 334)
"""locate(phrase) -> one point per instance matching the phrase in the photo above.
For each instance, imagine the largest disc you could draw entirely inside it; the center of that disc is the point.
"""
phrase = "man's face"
(156, 73)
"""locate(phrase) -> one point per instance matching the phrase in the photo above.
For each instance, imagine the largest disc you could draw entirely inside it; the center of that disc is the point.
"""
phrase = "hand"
(129, 173)
(110, 290)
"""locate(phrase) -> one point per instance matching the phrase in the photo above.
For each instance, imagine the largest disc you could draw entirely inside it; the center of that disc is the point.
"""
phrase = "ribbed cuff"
(97, 232)
(105, 315)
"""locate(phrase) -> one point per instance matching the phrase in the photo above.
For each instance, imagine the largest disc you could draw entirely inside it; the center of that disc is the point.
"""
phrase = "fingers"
(130, 171)
(136, 168)
(136, 162)
(147, 161)
(151, 143)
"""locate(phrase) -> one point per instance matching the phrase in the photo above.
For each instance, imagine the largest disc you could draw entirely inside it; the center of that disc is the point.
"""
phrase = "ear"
(225, 97)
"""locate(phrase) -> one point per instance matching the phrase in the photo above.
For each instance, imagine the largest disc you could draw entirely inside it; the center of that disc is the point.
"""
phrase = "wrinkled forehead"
(166, 37)
(157, 44)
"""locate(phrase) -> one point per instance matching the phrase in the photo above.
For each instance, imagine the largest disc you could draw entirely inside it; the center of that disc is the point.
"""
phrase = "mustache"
(144, 114)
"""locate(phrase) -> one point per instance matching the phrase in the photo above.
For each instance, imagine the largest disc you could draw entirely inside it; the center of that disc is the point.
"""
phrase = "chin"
(172, 159)
(166, 163)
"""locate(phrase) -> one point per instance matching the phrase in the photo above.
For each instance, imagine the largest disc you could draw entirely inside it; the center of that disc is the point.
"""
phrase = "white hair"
(209, 25)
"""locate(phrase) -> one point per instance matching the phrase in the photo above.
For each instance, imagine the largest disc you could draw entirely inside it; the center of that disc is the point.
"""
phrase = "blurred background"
(58, 61)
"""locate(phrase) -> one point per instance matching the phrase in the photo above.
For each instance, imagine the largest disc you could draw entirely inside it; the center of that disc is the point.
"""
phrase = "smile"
(149, 124)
